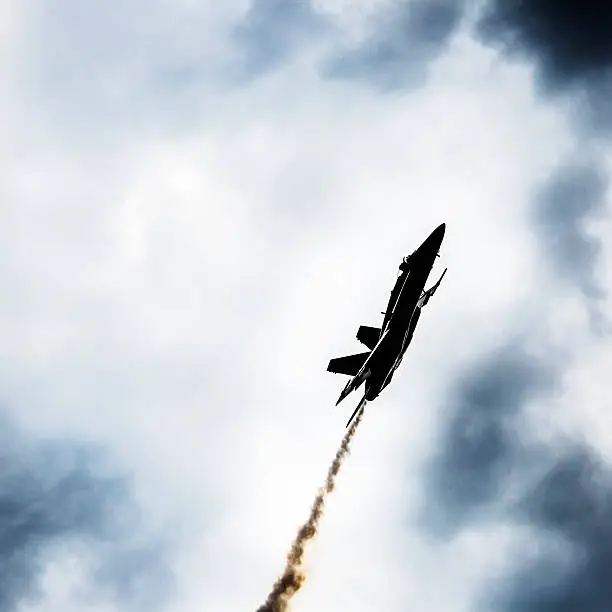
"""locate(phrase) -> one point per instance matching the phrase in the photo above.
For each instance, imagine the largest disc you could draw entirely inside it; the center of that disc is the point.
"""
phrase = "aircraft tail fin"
(368, 335)
(351, 364)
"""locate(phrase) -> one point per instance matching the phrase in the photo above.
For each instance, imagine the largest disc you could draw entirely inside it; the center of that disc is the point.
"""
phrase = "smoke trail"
(293, 577)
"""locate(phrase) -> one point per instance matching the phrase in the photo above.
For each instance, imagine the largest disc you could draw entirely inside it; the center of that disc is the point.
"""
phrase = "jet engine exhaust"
(292, 579)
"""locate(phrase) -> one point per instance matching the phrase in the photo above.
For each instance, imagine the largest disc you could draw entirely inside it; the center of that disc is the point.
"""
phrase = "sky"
(200, 204)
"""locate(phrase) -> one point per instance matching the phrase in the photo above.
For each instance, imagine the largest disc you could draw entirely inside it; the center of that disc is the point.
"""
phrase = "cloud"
(397, 53)
(493, 468)
(481, 443)
(573, 194)
(99, 73)
(573, 503)
(569, 41)
(570, 47)
(58, 498)
(272, 30)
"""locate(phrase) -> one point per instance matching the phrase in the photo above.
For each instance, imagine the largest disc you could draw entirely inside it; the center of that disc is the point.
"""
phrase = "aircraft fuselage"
(400, 321)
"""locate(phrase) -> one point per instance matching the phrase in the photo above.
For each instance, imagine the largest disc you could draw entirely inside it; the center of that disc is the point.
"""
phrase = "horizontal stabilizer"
(368, 335)
(351, 364)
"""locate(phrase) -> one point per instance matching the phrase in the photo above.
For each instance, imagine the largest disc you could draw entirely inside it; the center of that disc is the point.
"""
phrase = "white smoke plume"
(292, 579)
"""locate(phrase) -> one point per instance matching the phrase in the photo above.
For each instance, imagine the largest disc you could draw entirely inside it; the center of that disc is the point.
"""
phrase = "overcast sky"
(200, 202)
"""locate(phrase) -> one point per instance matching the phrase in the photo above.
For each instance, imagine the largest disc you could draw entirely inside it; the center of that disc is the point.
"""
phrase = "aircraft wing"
(429, 293)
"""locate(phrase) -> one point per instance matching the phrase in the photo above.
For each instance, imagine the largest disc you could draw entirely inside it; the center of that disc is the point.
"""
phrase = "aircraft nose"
(437, 235)
(434, 240)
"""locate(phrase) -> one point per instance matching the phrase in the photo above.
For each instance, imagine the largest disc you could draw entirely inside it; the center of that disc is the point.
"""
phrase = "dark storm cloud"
(490, 468)
(55, 496)
(574, 193)
(572, 503)
(569, 41)
(272, 30)
(398, 52)
(570, 44)
(481, 445)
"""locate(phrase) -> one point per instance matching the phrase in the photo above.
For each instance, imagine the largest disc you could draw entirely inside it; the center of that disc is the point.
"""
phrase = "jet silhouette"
(388, 343)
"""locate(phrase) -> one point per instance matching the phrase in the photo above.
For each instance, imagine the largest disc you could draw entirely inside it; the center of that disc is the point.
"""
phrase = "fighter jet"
(389, 342)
